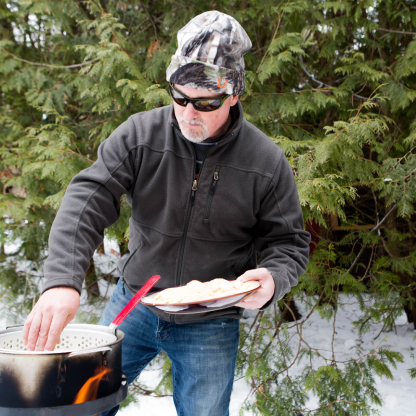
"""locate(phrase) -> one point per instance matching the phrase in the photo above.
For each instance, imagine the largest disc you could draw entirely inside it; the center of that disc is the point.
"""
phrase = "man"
(208, 192)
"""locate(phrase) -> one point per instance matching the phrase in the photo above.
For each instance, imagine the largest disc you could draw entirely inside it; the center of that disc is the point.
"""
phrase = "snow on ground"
(157, 406)
(398, 395)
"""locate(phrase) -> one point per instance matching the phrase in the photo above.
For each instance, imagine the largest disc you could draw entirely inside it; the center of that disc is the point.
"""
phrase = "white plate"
(201, 306)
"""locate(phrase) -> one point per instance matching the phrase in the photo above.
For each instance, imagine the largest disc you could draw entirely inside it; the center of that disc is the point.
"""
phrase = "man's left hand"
(261, 296)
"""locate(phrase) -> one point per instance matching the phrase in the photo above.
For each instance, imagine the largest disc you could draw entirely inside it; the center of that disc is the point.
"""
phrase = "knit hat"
(210, 54)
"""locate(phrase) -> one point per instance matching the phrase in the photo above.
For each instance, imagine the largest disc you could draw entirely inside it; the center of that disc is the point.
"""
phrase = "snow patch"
(391, 402)
(349, 343)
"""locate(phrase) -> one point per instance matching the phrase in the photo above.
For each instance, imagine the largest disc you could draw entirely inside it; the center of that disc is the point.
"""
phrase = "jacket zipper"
(124, 266)
(212, 191)
(185, 231)
(188, 216)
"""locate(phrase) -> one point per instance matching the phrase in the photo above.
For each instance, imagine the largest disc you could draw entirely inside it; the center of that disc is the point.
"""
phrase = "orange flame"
(89, 390)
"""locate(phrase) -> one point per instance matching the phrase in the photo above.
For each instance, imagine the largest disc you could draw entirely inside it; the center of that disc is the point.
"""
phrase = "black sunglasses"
(200, 104)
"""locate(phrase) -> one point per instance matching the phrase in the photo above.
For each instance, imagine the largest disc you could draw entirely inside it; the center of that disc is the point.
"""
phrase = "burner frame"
(83, 409)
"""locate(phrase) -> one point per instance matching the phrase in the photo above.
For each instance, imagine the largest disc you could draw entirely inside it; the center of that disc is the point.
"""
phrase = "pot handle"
(100, 349)
(74, 354)
(14, 326)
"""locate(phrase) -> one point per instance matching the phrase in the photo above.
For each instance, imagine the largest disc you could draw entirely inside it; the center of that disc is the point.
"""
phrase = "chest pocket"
(211, 191)
(231, 203)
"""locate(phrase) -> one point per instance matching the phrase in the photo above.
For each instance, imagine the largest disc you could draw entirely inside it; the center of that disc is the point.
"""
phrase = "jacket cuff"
(61, 281)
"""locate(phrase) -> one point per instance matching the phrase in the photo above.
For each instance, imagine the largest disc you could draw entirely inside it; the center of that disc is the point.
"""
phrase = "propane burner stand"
(83, 409)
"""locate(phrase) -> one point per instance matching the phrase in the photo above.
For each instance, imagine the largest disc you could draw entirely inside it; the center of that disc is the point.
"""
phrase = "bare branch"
(51, 66)
(333, 336)
(320, 83)
(150, 18)
(396, 31)
(373, 229)
(150, 393)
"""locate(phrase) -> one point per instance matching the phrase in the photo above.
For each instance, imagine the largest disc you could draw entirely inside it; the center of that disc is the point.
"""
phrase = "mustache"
(192, 121)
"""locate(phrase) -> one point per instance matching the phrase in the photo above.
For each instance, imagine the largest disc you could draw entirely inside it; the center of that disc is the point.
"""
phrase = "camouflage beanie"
(210, 54)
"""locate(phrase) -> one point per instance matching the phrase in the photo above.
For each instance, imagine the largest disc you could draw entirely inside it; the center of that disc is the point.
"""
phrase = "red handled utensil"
(134, 301)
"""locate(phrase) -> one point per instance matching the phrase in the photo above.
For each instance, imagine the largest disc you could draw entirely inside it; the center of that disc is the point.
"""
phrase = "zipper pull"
(194, 187)
(214, 183)
(124, 289)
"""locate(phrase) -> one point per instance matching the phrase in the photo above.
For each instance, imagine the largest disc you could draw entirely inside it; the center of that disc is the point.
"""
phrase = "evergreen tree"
(331, 82)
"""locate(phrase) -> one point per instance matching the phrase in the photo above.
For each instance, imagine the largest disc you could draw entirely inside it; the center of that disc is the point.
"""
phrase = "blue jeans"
(203, 355)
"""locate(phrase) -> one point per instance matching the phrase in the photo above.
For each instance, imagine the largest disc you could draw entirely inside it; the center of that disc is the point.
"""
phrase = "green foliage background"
(331, 82)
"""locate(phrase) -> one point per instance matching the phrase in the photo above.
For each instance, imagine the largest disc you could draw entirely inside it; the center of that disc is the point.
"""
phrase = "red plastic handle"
(135, 300)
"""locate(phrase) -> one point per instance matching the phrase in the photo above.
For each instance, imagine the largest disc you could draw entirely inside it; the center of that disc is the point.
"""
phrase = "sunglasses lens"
(208, 105)
(179, 99)
(205, 104)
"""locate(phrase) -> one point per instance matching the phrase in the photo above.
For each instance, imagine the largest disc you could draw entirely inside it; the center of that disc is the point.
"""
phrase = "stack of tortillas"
(196, 291)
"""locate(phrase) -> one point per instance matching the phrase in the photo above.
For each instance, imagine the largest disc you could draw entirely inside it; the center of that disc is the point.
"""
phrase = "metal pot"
(54, 378)
(39, 379)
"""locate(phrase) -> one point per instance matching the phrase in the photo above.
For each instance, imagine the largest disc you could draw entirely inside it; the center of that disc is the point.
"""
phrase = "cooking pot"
(54, 378)
(36, 379)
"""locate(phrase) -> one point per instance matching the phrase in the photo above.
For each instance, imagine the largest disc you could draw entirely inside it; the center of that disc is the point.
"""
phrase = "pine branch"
(292, 92)
(399, 160)
(150, 393)
(299, 332)
(311, 311)
(267, 51)
(138, 28)
(51, 66)
(410, 174)
(373, 229)
(321, 83)
(150, 18)
(386, 248)
(396, 31)
(333, 336)
(369, 263)
(362, 379)
(327, 405)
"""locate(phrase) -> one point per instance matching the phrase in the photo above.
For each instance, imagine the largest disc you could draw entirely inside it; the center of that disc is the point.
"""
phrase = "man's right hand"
(51, 314)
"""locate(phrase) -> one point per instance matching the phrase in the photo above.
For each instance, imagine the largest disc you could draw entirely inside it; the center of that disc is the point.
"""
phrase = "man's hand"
(261, 296)
(51, 314)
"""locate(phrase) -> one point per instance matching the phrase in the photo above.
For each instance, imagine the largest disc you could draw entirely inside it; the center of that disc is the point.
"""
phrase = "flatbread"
(196, 291)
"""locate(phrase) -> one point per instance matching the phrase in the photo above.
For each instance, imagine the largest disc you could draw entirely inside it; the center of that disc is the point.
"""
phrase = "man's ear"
(234, 99)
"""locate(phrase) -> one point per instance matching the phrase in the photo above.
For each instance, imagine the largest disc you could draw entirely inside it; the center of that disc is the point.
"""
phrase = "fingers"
(253, 299)
(261, 274)
(44, 331)
(261, 296)
(54, 310)
(26, 327)
(33, 332)
(56, 327)
(250, 275)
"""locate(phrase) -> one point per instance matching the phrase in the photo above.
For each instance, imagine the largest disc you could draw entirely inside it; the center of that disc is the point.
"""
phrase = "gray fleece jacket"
(244, 202)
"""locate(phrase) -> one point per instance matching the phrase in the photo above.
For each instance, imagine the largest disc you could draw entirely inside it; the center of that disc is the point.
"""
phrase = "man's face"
(197, 126)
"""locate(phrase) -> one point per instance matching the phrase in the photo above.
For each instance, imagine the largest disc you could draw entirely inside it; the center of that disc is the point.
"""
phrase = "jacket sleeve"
(91, 204)
(280, 237)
